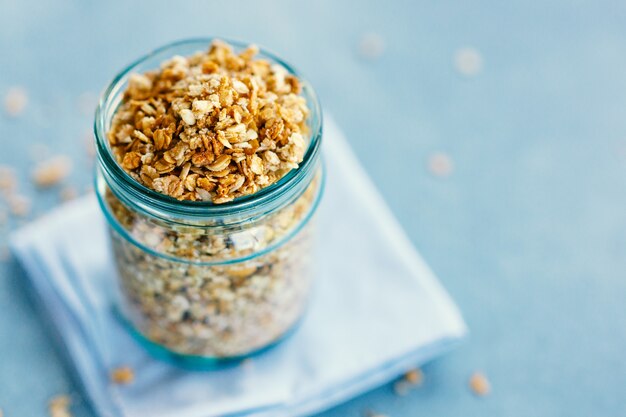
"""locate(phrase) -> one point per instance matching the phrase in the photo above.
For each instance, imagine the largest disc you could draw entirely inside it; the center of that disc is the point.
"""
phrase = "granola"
(411, 379)
(211, 127)
(371, 46)
(123, 375)
(440, 164)
(20, 205)
(8, 180)
(15, 101)
(479, 384)
(468, 61)
(59, 406)
(51, 172)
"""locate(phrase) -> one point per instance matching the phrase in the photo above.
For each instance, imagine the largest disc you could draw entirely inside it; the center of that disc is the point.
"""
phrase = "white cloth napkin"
(376, 311)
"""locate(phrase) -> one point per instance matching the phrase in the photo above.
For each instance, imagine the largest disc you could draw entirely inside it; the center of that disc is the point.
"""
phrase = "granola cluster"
(213, 126)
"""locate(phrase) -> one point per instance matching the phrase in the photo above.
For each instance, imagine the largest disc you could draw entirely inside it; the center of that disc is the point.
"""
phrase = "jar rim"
(157, 203)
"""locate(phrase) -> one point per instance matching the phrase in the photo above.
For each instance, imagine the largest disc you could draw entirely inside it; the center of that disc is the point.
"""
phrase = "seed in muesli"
(15, 101)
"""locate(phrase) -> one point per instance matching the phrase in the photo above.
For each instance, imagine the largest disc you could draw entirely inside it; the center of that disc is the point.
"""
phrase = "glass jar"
(201, 282)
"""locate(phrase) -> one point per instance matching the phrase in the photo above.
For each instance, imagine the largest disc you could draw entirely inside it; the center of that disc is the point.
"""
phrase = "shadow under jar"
(200, 282)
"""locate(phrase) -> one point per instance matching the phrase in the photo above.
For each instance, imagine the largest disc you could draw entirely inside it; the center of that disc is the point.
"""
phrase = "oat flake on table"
(7, 178)
(372, 46)
(15, 101)
(440, 164)
(20, 205)
(52, 171)
(59, 406)
(479, 384)
(468, 61)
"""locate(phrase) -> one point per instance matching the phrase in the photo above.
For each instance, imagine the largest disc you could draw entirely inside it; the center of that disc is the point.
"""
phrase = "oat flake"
(123, 375)
(440, 164)
(15, 101)
(479, 384)
(52, 171)
(468, 62)
(371, 46)
(20, 205)
(59, 406)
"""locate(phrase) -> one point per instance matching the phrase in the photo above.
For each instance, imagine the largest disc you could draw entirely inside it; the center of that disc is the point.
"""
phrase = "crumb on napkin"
(122, 375)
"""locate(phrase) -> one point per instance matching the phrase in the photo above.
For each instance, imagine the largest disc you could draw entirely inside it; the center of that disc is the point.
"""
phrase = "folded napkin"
(376, 311)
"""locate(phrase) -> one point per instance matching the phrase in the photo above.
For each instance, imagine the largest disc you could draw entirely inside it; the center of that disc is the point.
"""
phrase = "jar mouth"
(157, 203)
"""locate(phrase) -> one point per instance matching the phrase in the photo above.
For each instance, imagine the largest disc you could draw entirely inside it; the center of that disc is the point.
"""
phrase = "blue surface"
(528, 235)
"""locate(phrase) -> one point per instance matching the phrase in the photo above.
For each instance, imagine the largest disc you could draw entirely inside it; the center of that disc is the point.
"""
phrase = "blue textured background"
(528, 234)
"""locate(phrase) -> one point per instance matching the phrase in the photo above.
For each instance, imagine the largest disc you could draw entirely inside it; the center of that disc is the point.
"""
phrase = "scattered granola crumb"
(371, 46)
(59, 406)
(123, 375)
(15, 101)
(68, 193)
(479, 384)
(440, 164)
(52, 171)
(414, 377)
(87, 102)
(20, 205)
(468, 61)
(410, 380)
(7, 178)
